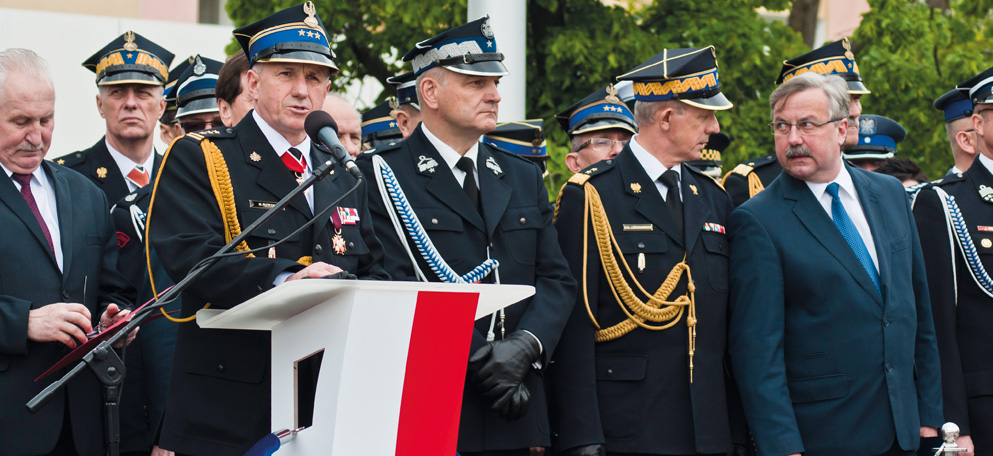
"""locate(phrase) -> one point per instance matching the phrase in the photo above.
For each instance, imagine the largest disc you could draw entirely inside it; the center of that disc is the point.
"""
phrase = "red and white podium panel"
(390, 360)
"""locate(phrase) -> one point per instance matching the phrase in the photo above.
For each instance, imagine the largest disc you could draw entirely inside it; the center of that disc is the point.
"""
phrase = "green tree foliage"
(909, 55)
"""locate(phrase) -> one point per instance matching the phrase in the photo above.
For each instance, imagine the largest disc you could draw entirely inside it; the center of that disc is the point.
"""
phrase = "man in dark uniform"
(958, 125)
(598, 126)
(408, 112)
(640, 368)
(131, 71)
(219, 402)
(152, 357)
(168, 126)
(522, 137)
(878, 137)
(477, 202)
(961, 291)
(749, 178)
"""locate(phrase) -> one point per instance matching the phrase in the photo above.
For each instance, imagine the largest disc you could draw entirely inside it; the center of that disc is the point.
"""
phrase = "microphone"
(321, 127)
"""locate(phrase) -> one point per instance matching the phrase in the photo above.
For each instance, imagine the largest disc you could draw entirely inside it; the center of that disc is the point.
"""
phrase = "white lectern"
(392, 360)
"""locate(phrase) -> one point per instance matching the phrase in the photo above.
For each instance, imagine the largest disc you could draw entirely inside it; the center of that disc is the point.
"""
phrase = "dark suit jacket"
(96, 162)
(634, 392)
(219, 401)
(516, 222)
(963, 313)
(824, 363)
(30, 279)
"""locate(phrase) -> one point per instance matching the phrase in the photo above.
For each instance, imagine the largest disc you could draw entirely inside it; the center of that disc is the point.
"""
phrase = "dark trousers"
(895, 450)
(522, 452)
(65, 446)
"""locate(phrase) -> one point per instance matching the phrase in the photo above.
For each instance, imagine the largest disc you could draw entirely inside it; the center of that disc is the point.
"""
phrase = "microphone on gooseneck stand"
(321, 127)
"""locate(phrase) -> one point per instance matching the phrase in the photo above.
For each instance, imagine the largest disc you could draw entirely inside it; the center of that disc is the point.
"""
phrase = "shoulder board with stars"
(592, 170)
(742, 169)
(73, 159)
(383, 148)
(949, 179)
(210, 134)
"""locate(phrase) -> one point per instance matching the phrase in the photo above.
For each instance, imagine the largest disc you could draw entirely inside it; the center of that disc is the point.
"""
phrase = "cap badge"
(486, 30)
(394, 104)
(612, 95)
(426, 164)
(494, 166)
(636, 187)
(199, 68)
(311, 11)
(867, 127)
(538, 138)
(986, 193)
(848, 49)
(129, 42)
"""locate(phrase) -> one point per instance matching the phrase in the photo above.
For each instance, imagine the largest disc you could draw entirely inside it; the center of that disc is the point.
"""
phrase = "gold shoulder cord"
(657, 309)
(754, 183)
(220, 183)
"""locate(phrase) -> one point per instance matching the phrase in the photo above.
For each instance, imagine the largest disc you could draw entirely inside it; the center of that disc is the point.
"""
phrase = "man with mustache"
(750, 177)
(831, 338)
(640, 368)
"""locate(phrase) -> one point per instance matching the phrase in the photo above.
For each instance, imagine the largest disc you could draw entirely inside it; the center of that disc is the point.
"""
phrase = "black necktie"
(469, 184)
(671, 180)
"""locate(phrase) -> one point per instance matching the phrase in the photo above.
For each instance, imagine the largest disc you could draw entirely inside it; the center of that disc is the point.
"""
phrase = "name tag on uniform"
(637, 227)
(261, 204)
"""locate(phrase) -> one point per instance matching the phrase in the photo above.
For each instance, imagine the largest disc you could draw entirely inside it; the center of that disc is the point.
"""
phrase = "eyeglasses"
(196, 125)
(600, 144)
(805, 127)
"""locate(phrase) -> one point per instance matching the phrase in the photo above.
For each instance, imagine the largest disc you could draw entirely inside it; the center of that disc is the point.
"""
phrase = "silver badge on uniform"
(426, 164)
(492, 164)
(986, 193)
(867, 127)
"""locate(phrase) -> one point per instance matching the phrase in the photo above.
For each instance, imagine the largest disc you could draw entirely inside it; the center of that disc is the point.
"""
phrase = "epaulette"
(705, 176)
(383, 148)
(581, 177)
(211, 134)
(72, 159)
(949, 179)
(504, 152)
(742, 169)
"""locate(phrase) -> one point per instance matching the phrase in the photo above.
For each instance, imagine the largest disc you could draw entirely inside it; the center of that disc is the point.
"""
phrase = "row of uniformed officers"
(653, 319)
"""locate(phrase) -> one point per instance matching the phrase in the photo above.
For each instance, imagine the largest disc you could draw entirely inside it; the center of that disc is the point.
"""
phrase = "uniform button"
(889, 368)
(318, 249)
(351, 245)
(491, 245)
(65, 294)
(230, 130)
(886, 322)
(524, 221)
(271, 231)
(641, 245)
(220, 368)
(610, 372)
(609, 161)
(434, 221)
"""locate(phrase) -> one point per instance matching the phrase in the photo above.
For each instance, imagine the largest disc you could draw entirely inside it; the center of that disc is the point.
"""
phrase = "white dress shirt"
(452, 157)
(44, 194)
(125, 164)
(654, 167)
(282, 146)
(850, 199)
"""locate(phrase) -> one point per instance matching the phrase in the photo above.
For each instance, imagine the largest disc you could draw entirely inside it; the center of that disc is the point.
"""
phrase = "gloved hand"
(498, 370)
(597, 449)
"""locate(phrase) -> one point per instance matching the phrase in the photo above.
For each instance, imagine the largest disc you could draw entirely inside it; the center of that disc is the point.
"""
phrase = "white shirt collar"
(987, 162)
(449, 154)
(652, 165)
(125, 164)
(844, 180)
(279, 142)
(38, 176)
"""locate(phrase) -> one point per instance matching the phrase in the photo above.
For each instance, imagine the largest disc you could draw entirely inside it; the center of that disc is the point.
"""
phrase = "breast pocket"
(272, 231)
(520, 225)
(717, 259)
(643, 250)
(445, 229)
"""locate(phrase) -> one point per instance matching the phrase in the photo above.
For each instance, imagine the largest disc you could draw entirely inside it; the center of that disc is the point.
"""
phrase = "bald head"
(349, 122)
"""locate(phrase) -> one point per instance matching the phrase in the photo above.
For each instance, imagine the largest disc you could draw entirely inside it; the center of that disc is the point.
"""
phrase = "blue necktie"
(851, 234)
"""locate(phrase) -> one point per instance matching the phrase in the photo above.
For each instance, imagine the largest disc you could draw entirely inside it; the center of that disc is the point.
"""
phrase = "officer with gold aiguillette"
(640, 366)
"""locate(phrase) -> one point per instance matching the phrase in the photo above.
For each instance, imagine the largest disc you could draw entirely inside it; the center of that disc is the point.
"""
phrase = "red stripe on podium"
(432, 383)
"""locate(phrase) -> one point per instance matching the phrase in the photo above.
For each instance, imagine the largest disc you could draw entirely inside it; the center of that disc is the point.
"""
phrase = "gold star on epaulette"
(61, 161)
(591, 171)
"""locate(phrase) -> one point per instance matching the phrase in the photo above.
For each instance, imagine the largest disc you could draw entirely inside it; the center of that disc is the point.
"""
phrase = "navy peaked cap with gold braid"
(378, 123)
(688, 75)
(467, 49)
(832, 58)
(130, 59)
(979, 87)
(293, 35)
(956, 105)
(522, 137)
(196, 88)
(600, 110)
(406, 88)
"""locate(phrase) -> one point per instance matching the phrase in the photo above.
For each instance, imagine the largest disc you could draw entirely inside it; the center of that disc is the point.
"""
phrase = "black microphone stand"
(104, 360)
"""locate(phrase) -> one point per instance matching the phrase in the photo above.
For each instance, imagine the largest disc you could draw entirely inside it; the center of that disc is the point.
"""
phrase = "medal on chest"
(337, 242)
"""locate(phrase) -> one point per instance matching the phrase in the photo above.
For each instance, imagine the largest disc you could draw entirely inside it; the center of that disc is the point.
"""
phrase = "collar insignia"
(425, 163)
(693, 188)
(102, 172)
(492, 164)
(636, 187)
(255, 157)
(986, 193)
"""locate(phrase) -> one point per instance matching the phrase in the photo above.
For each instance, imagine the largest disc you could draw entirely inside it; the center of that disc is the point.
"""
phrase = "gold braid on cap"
(656, 309)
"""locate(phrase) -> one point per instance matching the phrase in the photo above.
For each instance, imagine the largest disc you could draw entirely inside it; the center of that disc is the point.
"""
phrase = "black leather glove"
(498, 370)
(341, 275)
(596, 449)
